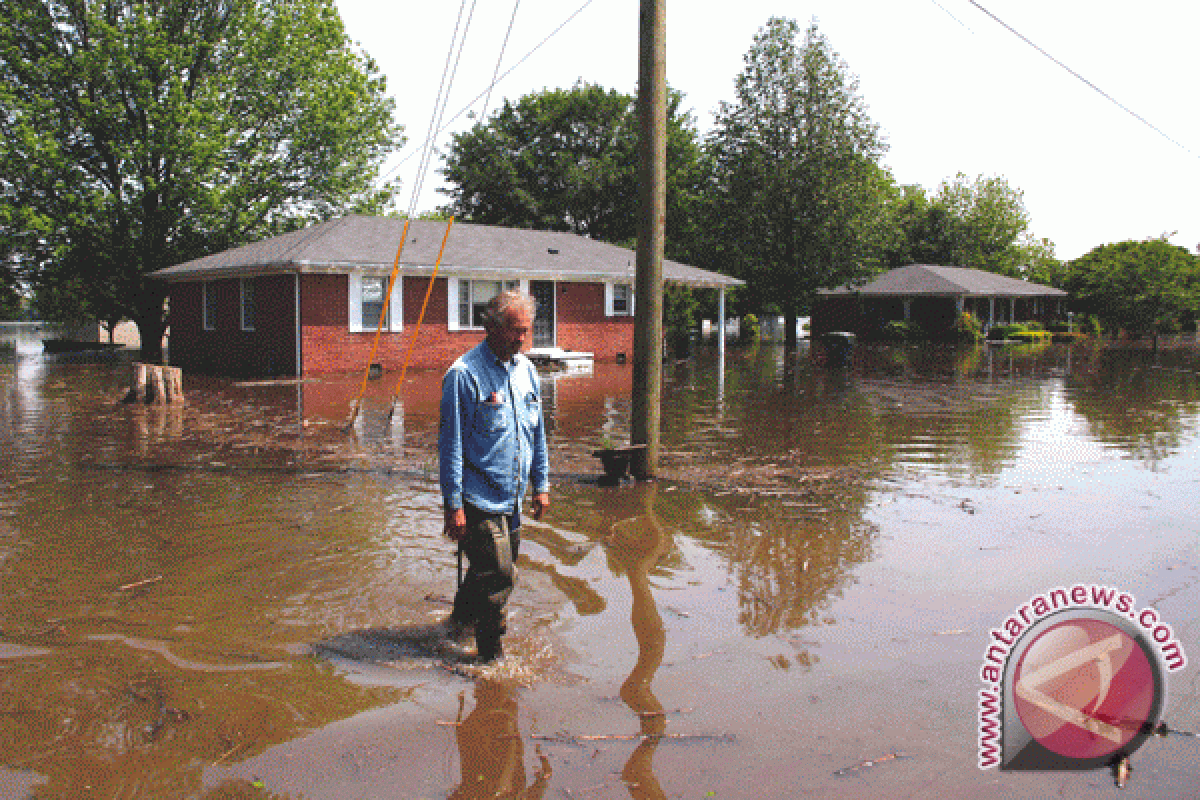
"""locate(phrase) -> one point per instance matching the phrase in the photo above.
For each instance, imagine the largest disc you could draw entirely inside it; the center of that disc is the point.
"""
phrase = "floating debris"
(867, 764)
(139, 584)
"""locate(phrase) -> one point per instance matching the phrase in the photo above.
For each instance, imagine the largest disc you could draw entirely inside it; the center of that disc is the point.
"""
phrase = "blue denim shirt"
(492, 440)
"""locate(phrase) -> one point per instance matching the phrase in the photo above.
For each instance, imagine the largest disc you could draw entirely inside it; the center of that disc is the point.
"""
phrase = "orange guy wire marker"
(387, 298)
(421, 318)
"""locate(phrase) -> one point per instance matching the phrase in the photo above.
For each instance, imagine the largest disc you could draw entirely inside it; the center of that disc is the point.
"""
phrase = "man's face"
(509, 335)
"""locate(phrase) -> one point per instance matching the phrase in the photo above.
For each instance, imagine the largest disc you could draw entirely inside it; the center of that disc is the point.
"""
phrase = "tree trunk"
(150, 330)
(789, 330)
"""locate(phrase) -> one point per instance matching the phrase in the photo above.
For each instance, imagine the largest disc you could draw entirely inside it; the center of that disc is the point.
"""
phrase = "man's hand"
(456, 524)
(540, 503)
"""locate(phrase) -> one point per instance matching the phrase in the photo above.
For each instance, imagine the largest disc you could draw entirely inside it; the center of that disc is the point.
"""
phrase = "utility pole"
(652, 196)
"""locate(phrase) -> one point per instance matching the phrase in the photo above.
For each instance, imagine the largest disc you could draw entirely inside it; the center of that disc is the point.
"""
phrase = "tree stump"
(154, 383)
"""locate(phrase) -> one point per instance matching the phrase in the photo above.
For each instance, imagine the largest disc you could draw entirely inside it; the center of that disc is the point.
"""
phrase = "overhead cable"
(440, 102)
(488, 88)
(951, 16)
(499, 58)
(1102, 93)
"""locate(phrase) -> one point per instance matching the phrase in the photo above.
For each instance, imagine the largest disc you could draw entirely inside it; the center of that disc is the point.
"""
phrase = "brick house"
(933, 297)
(309, 301)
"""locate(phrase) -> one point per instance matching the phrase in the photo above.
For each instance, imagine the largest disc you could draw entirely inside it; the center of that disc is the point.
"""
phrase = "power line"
(488, 88)
(440, 102)
(499, 58)
(951, 16)
(1102, 93)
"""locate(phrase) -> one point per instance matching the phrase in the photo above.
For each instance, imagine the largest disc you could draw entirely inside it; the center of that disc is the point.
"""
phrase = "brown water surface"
(234, 598)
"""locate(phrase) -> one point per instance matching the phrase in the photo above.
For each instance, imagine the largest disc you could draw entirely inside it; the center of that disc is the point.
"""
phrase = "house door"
(543, 320)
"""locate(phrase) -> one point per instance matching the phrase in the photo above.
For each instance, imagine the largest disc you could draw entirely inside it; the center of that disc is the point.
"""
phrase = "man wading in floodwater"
(491, 445)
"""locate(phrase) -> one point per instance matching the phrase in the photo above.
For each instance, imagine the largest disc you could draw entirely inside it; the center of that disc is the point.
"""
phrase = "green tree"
(981, 223)
(1139, 286)
(796, 188)
(566, 160)
(10, 295)
(137, 135)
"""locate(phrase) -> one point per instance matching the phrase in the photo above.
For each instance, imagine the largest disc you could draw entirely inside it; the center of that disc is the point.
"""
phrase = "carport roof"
(926, 279)
(368, 244)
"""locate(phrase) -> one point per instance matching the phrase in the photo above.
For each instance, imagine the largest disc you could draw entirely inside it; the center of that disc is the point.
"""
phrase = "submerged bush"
(1090, 324)
(899, 330)
(967, 329)
(1001, 332)
(1069, 337)
(751, 331)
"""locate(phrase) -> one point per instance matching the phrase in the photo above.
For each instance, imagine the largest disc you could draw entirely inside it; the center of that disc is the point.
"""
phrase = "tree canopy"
(1139, 286)
(981, 223)
(136, 135)
(566, 160)
(796, 183)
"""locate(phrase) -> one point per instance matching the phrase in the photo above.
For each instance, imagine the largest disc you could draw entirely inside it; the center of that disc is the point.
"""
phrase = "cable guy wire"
(488, 88)
(499, 58)
(951, 16)
(439, 105)
(1102, 93)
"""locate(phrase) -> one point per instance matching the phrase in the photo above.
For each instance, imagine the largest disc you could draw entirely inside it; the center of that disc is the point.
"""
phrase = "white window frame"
(610, 292)
(395, 320)
(208, 308)
(454, 290)
(243, 285)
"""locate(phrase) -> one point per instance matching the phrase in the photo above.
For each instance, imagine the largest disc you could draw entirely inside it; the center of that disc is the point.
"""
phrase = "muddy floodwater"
(233, 598)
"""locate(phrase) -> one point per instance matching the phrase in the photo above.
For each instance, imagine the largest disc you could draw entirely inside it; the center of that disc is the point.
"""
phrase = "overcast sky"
(952, 89)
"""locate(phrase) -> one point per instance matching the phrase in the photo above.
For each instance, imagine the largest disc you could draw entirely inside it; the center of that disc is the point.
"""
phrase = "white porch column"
(720, 351)
(721, 322)
(1012, 310)
(907, 308)
(991, 311)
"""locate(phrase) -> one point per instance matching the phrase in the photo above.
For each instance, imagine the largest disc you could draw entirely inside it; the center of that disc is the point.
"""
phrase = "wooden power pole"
(651, 233)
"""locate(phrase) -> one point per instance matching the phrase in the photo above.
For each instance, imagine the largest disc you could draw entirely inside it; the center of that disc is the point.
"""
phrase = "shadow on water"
(389, 645)
(168, 575)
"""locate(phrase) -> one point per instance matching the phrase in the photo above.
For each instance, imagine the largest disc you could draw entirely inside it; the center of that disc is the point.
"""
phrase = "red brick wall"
(583, 326)
(329, 346)
(270, 349)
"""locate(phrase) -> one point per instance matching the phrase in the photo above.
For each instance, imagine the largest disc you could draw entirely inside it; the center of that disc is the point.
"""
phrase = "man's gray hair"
(504, 304)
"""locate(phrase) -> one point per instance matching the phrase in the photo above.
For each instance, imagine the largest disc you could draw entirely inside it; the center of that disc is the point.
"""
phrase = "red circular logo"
(1084, 689)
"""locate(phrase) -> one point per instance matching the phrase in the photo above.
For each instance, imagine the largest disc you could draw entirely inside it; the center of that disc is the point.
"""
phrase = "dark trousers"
(490, 578)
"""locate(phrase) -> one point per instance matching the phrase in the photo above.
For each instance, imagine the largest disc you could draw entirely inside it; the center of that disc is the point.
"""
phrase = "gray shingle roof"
(369, 243)
(926, 279)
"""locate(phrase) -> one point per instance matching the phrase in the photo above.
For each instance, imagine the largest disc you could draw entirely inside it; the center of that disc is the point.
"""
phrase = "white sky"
(952, 90)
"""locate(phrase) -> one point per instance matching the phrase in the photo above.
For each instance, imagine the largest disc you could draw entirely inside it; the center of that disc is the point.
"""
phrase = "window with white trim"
(622, 295)
(247, 285)
(618, 299)
(208, 306)
(373, 288)
(473, 297)
(365, 297)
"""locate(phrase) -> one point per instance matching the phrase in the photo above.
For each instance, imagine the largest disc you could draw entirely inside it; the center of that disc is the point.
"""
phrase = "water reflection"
(264, 529)
(1140, 402)
(104, 720)
(491, 748)
(635, 547)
